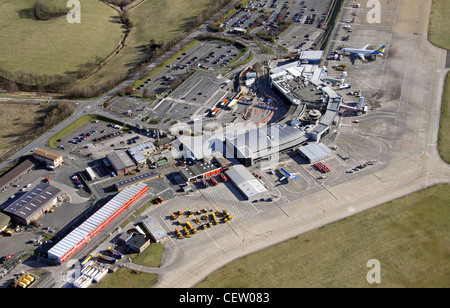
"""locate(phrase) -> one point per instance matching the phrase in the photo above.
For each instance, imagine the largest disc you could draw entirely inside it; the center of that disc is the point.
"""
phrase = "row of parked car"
(77, 182)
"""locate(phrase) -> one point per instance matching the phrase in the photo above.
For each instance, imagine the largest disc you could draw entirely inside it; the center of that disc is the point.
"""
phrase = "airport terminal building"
(256, 145)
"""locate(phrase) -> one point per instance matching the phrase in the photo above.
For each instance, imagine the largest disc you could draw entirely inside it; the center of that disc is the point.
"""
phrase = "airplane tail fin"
(380, 50)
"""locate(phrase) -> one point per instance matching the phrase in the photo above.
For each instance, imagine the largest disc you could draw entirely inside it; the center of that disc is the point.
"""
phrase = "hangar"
(247, 184)
(314, 152)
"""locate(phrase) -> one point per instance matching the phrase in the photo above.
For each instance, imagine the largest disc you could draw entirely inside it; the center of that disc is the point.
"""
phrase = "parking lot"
(196, 96)
(306, 18)
(206, 55)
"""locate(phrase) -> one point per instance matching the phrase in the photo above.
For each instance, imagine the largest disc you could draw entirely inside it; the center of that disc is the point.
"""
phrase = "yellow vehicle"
(8, 232)
(179, 234)
(186, 231)
(174, 217)
(189, 225)
(214, 218)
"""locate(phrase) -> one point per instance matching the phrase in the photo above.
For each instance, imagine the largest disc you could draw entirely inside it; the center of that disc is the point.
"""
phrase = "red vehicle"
(204, 183)
(215, 183)
(322, 167)
(3, 260)
(223, 177)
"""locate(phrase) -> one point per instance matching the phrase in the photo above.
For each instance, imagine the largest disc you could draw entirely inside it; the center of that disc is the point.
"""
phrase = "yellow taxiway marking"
(321, 208)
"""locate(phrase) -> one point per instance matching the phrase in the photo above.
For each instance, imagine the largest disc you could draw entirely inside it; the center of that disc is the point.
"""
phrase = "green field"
(438, 30)
(50, 47)
(409, 236)
(152, 20)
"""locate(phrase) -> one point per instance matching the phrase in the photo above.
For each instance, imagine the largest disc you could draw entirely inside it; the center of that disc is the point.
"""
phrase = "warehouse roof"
(136, 179)
(120, 160)
(311, 55)
(17, 171)
(155, 229)
(33, 201)
(105, 214)
(199, 169)
(136, 151)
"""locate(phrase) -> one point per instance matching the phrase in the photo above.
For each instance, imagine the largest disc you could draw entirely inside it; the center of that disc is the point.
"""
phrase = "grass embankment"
(54, 46)
(408, 236)
(438, 30)
(152, 20)
(444, 126)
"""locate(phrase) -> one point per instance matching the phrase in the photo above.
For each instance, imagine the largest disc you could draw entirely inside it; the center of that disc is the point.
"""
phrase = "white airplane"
(290, 176)
(364, 51)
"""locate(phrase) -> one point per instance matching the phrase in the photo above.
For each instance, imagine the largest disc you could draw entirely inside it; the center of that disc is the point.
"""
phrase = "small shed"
(138, 243)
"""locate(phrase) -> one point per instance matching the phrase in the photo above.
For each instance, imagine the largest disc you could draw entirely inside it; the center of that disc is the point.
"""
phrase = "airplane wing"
(365, 47)
(361, 56)
(283, 178)
(295, 174)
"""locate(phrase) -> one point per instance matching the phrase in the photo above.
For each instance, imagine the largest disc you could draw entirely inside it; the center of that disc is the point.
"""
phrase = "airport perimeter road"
(412, 65)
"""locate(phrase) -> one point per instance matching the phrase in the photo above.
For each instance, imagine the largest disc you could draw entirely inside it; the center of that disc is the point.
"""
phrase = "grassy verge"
(439, 26)
(438, 30)
(444, 125)
(408, 236)
(130, 279)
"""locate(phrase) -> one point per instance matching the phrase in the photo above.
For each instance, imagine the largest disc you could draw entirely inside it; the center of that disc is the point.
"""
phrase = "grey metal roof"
(33, 201)
(136, 151)
(80, 235)
(155, 229)
(120, 160)
(246, 182)
(315, 151)
(136, 179)
(263, 142)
